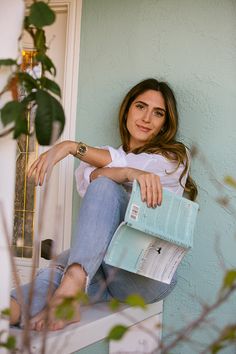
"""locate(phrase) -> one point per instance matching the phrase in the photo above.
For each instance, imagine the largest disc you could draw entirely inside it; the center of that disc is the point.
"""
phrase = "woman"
(150, 154)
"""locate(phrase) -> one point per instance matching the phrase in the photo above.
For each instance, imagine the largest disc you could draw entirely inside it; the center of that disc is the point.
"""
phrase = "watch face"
(82, 149)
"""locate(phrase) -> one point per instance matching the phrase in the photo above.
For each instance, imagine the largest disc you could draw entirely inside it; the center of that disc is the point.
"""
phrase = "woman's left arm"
(150, 185)
(44, 164)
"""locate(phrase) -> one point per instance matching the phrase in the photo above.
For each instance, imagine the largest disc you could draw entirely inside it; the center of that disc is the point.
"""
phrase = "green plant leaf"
(7, 62)
(82, 298)
(230, 181)
(9, 344)
(135, 300)
(65, 310)
(11, 112)
(40, 40)
(216, 348)
(21, 126)
(41, 14)
(229, 333)
(29, 98)
(26, 22)
(28, 81)
(117, 332)
(49, 111)
(46, 63)
(51, 86)
(229, 279)
(14, 111)
(114, 304)
(227, 337)
(6, 312)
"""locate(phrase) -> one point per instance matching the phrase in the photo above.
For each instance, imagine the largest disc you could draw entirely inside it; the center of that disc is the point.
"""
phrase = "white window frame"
(73, 9)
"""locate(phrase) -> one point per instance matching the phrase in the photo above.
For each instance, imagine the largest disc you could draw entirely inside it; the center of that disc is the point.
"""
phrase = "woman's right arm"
(150, 185)
(44, 164)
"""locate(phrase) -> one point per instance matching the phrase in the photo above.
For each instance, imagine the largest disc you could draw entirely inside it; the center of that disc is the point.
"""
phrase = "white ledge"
(94, 326)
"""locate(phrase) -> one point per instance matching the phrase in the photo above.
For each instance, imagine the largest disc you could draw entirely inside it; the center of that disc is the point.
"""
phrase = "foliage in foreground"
(39, 90)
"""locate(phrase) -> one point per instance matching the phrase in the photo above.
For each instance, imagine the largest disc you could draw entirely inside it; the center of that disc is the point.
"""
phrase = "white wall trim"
(66, 176)
(69, 101)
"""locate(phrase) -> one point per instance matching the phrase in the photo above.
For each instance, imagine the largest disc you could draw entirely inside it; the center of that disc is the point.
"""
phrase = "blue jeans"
(102, 210)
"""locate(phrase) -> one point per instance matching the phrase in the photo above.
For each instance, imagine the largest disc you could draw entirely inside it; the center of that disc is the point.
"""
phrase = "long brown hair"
(165, 142)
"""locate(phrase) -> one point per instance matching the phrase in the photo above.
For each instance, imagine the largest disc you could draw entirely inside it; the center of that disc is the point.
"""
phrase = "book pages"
(152, 242)
(144, 254)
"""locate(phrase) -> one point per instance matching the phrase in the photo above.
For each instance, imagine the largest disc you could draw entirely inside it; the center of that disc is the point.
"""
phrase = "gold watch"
(81, 150)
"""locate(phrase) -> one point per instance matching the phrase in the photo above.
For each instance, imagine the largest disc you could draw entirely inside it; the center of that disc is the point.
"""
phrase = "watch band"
(81, 150)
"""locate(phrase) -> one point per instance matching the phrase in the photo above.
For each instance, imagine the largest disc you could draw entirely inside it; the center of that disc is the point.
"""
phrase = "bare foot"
(56, 323)
(72, 283)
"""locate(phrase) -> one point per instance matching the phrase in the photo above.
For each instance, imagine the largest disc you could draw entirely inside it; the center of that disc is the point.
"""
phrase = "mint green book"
(152, 242)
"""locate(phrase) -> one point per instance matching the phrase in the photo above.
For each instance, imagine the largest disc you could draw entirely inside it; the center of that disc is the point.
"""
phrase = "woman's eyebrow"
(157, 108)
(160, 109)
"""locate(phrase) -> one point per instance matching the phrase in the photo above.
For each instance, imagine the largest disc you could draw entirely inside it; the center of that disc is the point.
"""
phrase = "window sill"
(94, 326)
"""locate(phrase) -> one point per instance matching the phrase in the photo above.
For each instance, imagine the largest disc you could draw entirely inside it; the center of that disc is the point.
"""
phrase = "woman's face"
(146, 117)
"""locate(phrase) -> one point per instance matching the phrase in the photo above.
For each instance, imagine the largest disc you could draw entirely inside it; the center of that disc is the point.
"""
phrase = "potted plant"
(39, 89)
(39, 93)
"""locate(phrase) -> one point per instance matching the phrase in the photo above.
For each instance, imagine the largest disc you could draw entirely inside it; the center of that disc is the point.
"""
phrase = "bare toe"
(55, 326)
(36, 322)
(32, 326)
(40, 325)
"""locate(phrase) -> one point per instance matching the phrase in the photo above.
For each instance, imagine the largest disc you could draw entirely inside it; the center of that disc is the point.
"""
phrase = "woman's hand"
(150, 185)
(46, 161)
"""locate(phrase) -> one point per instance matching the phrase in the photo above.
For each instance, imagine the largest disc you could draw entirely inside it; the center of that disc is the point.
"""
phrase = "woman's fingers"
(46, 161)
(151, 189)
(143, 188)
(159, 191)
(154, 191)
(32, 167)
(40, 170)
(42, 173)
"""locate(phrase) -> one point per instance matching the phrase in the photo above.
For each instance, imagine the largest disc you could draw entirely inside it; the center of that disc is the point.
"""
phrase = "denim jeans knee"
(104, 185)
(102, 210)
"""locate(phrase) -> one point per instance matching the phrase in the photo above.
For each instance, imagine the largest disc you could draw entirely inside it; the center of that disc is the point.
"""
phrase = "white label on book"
(134, 211)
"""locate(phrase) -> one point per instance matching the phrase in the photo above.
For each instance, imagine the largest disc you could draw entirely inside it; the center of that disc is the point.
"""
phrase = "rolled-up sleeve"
(83, 172)
(168, 172)
(118, 157)
(82, 177)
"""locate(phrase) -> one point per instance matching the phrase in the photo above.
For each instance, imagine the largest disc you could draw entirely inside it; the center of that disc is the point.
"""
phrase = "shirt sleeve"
(82, 177)
(118, 157)
(82, 173)
(168, 172)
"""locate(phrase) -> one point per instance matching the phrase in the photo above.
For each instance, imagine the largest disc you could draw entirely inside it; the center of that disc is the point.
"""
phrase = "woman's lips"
(143, 129)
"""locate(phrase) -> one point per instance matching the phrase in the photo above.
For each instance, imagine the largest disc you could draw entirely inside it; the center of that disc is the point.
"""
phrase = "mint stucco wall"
(101, 347)
(192, 45)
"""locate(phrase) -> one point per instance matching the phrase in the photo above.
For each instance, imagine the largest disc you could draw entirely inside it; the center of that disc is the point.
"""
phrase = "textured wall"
(191, 44)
